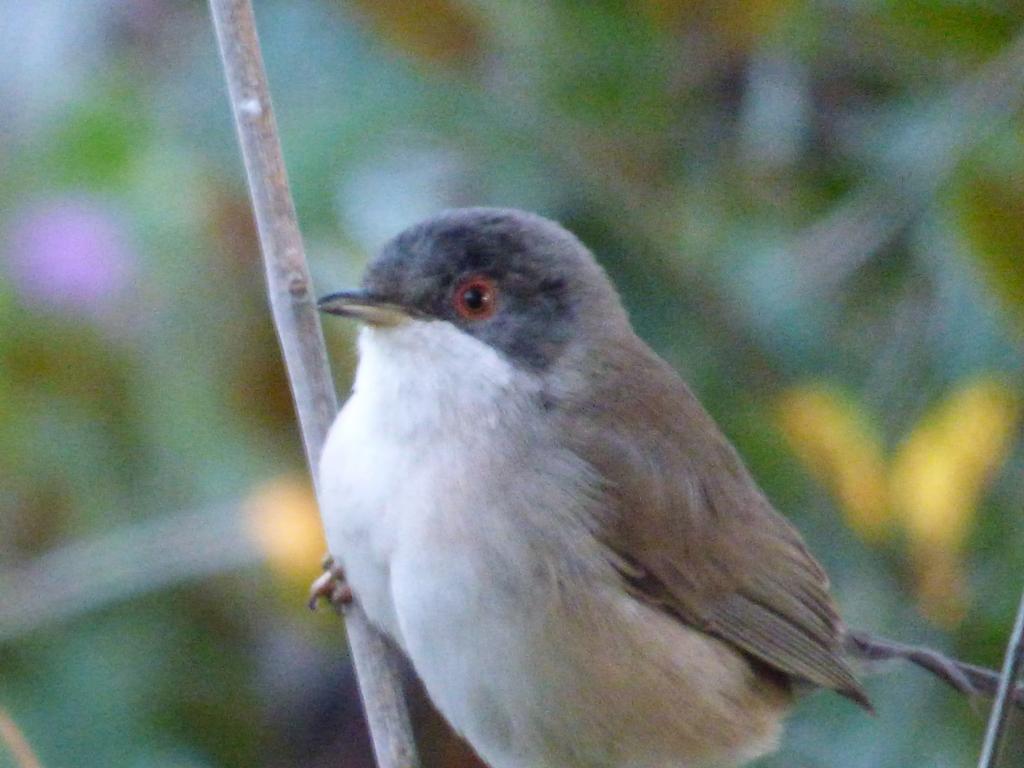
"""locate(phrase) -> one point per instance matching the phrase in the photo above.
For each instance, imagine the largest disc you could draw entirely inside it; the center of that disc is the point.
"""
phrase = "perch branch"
(301, 338)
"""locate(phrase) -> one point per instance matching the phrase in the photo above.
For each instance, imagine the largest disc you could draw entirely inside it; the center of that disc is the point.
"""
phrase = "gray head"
(514, 280)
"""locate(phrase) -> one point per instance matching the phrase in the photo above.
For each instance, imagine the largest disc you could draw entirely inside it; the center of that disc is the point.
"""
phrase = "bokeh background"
(813, 208)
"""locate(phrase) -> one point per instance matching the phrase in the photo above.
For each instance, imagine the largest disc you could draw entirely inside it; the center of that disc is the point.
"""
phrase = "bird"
(538, 512)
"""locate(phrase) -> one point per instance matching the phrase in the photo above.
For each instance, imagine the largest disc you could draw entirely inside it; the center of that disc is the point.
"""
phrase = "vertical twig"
(1007, 686)
(298, 330)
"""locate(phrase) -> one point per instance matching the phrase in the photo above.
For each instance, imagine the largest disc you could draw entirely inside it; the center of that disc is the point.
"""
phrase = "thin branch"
(298, 329)
(1007, 685)
(16, 742)
(138, 558)
(968, 679)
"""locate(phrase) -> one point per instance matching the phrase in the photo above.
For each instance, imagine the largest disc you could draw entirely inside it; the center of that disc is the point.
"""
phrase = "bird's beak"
(365, 307)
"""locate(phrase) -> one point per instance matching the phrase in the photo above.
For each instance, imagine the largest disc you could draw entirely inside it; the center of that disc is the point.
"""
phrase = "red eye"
(474, 298)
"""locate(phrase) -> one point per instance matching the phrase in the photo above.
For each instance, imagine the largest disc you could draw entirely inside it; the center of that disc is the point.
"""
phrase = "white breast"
(424, 393)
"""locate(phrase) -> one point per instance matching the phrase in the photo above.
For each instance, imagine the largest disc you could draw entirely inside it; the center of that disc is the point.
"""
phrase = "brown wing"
(694, 532)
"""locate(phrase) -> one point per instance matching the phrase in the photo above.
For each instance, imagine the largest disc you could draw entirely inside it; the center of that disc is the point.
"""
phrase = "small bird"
(539, 513)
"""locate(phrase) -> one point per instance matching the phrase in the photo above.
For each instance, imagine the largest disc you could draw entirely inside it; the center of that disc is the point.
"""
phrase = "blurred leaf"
(941, 586)
(937, 478)
(992, 212)
(736, 24)
(835, 439)
(440, 31)
(953, 26)
(940, 470)
(99, 139)
(284, 520)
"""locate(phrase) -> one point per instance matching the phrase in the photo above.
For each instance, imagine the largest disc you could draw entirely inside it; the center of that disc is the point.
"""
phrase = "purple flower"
(70, 255)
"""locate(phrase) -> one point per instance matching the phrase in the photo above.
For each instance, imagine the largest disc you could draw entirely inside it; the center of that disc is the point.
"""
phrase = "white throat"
(428, 375)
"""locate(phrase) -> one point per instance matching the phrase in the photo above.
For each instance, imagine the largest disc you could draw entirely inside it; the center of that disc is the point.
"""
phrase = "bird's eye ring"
(474, 298)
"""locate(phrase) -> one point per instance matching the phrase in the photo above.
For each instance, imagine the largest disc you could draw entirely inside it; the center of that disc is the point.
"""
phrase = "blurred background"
(814, 209)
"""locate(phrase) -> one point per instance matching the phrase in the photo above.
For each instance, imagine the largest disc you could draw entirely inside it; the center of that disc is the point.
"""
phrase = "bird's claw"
(330, 584)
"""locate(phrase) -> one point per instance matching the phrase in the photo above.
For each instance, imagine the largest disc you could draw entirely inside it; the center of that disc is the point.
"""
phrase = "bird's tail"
(968, 679)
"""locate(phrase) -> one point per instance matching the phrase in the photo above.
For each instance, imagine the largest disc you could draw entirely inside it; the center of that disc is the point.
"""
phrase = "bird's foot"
(330, 584)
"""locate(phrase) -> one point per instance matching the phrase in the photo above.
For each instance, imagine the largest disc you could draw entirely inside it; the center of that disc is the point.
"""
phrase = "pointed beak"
(365, 307)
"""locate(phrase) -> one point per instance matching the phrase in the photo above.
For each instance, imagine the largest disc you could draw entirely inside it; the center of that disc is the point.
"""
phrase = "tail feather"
(968, 679)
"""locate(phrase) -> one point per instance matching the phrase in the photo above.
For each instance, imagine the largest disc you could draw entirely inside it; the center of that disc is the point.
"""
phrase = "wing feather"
(693, 532)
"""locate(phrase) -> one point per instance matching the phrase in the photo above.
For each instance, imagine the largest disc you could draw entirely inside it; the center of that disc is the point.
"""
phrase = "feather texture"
(690, 530)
